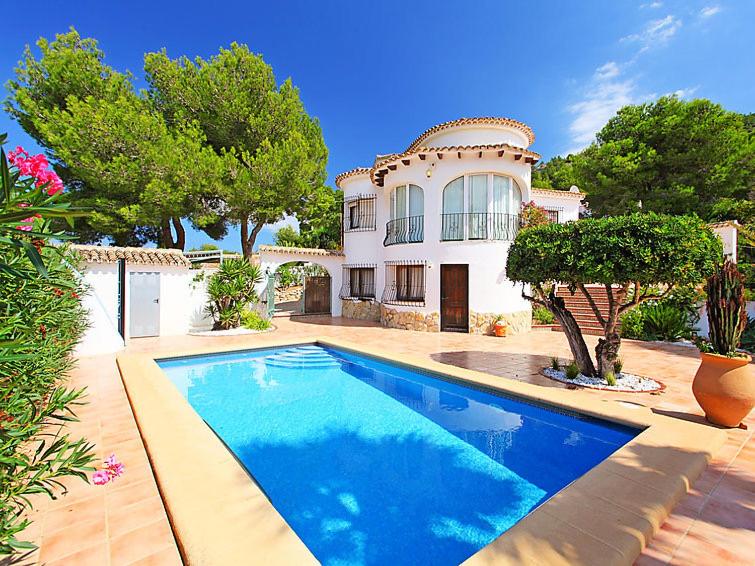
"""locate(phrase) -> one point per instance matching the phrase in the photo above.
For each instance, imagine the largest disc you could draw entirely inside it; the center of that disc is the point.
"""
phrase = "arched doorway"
(300, 280)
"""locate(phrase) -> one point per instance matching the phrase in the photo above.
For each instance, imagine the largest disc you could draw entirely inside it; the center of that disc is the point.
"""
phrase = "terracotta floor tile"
(90, 509)
(140, 543)
(166, 557)
(65, 542)
(93, 556)
(122, 520)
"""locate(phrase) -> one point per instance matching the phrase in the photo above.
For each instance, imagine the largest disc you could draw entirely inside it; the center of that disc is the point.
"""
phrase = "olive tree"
(636, 258)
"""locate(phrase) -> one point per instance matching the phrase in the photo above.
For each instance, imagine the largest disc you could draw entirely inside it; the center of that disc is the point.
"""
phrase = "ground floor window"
(404, 283)
(358, 282)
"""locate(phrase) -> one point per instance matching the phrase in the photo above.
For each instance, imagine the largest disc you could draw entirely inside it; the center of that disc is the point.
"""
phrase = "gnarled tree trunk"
(166, 235)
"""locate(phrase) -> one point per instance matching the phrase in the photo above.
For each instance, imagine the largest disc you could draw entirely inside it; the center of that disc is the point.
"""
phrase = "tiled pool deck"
(125, 522)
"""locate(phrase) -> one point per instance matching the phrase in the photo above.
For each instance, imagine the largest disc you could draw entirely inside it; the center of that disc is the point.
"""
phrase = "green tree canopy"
(274, 154)
(676, 156)
(114, 150)
(636, 258)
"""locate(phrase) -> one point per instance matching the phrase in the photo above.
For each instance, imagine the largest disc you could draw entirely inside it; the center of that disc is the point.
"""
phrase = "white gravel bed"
(625, 382)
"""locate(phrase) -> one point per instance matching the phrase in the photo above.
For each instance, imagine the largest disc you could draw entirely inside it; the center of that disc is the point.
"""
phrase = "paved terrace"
(125, 522)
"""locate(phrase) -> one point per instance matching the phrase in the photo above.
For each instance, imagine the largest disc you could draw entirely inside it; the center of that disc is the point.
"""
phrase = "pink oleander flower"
(100, 477)
(111, 469)
(36, 166)
(114, 467)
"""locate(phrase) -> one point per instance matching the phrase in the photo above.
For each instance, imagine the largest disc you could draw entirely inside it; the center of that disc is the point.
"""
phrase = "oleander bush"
(41, 320)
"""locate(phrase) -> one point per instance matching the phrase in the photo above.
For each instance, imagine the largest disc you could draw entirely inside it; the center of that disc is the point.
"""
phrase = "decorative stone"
(360, 310)
(409, 320)
(483, 323)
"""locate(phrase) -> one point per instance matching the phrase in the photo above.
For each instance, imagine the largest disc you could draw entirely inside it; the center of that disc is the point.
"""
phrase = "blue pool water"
(371, 463)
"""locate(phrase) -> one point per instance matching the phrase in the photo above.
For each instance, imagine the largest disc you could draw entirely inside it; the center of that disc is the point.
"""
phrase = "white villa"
(426, 232)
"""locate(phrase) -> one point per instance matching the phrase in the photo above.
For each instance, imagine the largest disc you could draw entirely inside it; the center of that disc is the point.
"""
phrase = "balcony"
(407, 230)
(457, 226)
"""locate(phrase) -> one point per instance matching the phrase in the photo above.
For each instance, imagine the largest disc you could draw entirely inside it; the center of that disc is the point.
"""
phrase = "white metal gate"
(144, 304)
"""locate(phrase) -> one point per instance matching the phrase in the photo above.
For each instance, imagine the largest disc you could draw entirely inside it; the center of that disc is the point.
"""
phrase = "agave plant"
(231, 291)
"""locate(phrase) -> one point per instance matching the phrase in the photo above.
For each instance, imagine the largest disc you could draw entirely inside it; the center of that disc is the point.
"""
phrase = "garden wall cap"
(300, 251)
(139, 256)
(559, 194)
(724, 224)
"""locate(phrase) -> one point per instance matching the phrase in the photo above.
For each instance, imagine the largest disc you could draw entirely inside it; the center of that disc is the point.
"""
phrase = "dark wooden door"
(454, 298)
(317, 295)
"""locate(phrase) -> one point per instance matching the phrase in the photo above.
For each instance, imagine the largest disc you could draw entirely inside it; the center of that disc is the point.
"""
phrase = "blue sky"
(378, 74)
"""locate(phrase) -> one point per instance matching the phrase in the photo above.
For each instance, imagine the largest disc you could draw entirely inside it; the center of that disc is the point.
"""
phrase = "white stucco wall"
(489, 289)
(102, 304)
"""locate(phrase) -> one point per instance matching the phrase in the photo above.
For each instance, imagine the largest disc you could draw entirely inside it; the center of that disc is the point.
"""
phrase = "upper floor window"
(359, 213)
(481, 206)
(407, 200)
(407, 223)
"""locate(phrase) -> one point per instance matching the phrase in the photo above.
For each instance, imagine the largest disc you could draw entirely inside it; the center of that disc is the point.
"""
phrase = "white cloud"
(685, 92)
(656, 33)
(604, 94)
(607, 71)
(285, 221)
(709, 11)
(652, 5)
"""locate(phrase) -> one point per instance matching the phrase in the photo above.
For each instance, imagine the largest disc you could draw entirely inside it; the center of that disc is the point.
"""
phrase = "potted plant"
(724, 384)
(500, 326)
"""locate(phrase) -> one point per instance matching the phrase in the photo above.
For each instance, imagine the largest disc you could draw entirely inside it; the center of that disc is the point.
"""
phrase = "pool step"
(303, 357)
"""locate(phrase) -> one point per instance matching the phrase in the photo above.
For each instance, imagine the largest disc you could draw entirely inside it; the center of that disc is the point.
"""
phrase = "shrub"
(41, 320)
(231, 291)
(633, 324)
(533, 215)
(610, 378)
(542, 315)
(666, 322)
(618, 365)
(572, 370)
(253, 321)
(555, 363)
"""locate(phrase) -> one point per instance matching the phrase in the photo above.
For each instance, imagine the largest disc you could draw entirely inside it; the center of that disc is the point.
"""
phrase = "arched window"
(407, 216)
(407, 200)
(481, 206)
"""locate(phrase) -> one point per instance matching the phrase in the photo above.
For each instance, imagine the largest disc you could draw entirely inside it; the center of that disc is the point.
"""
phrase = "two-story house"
(426, 232)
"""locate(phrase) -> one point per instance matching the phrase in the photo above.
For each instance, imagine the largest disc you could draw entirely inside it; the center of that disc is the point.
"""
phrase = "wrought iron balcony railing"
(405, 230)
(456, 226)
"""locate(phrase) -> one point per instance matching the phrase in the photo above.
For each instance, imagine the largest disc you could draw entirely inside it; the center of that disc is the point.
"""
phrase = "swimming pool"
(373, 463)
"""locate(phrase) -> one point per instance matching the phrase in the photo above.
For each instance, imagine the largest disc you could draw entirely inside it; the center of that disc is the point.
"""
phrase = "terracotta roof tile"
(139, 256)
(351, 173)
(497, 121)
(451, 149)
(558, 193)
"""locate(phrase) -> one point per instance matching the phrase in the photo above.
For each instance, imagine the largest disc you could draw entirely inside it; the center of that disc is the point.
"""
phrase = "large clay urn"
(725, 388)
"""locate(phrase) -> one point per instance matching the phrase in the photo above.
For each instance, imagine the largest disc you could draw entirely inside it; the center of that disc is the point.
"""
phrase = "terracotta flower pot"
(725, 388)
(500, 329)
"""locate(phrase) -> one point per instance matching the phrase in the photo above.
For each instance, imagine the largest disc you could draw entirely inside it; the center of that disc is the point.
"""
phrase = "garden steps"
(580, 308)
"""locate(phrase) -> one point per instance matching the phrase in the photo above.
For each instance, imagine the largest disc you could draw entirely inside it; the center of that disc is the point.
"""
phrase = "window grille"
(554, 213)
(358, 281)
(359, 213)
(404, 283)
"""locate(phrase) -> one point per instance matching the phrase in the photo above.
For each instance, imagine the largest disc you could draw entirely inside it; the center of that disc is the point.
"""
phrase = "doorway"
(144, 304)
(454, 298)
(317, 294)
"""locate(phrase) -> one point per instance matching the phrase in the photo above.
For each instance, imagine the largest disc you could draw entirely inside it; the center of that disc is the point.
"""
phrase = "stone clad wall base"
(360, 310)
(409, 320)
(482, 322)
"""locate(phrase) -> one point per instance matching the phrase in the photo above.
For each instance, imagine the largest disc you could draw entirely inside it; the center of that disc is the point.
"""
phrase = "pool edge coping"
(637, 486)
